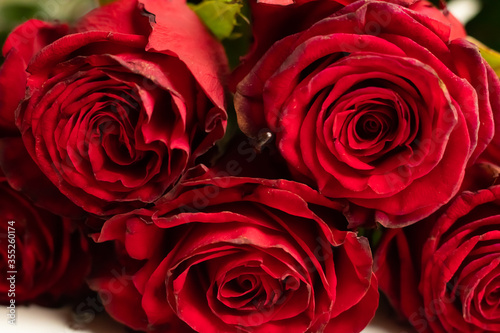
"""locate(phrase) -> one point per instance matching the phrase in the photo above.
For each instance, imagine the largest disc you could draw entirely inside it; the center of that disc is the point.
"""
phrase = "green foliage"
(220, 16)
(15, 12)
(238, 47)
(374, 235)
(228, 21)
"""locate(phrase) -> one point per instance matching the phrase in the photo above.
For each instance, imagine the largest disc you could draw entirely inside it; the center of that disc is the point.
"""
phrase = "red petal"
(122, 16)
(31, 37)
(12, 89)
(25, 176)
(177, 30)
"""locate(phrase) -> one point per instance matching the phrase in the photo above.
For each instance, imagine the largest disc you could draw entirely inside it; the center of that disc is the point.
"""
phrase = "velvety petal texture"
(229, 254)
(120, 107)
(273, 20)
(443, 274)
(378, 103)
(47, 255)
(21, 45)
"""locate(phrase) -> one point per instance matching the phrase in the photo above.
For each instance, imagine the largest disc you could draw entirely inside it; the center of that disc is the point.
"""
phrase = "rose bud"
(443, 274)
(45, 258)
(238, 255)
(117, 107)
(375, 104)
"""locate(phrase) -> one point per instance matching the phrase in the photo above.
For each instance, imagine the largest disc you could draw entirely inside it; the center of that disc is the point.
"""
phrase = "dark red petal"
(272, 22)
(12, 89)
(397, 272)
(351, 320)
(25, 176)
(30, 37)
(60, 49)
(426, 8)
(122, 16)
(122, 300)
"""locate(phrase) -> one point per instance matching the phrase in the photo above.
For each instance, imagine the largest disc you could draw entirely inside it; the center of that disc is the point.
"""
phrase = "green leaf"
(13, 13)
(220, 16)
(490, 55)
(376, 237)
(237, 48)
(105, 2)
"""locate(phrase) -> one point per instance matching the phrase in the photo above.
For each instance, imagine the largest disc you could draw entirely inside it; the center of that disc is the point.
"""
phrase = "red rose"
(44, 258)
(443, 274)
(273, 20)
(120, 106)
(238, 255)
(375, 104)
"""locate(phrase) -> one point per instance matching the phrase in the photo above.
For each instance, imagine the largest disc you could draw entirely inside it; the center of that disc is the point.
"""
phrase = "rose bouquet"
(258, 166)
